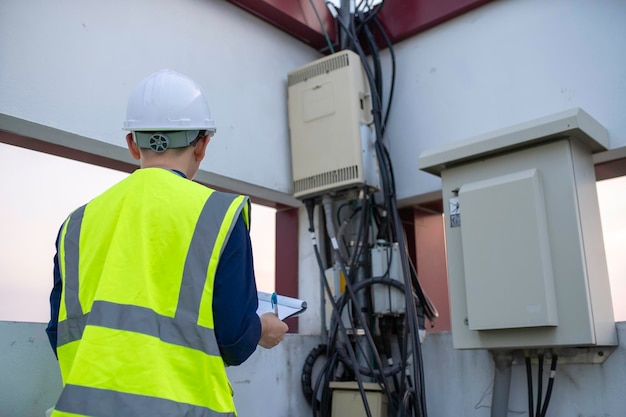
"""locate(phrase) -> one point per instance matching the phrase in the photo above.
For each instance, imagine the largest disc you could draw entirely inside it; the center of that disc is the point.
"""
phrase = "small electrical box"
(526, 260)
(330, 126)
(347, 400)
(387, 299)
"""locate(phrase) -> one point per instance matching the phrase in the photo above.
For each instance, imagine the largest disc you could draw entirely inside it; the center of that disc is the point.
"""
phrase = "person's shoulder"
(227, 196)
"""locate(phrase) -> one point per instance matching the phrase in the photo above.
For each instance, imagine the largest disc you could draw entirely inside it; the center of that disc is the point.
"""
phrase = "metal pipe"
(345, 15)
(503, 361)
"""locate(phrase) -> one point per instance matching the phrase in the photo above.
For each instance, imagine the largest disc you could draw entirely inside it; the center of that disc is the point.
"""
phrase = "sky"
(38, 191)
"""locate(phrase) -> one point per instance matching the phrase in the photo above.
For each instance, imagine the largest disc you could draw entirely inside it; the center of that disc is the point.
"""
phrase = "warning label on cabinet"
(455, 212)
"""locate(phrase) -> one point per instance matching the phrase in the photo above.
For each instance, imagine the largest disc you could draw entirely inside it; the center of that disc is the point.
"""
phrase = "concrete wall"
(458, 383)
(309, 283)
(502, 64)
(67, 68)
(30, 381)
(69, 65)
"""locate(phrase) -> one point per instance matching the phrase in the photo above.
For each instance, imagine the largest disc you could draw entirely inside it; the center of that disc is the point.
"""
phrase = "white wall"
(309, 283)
(31, 380)
(70, 65)
(458, 383)
(505, 63)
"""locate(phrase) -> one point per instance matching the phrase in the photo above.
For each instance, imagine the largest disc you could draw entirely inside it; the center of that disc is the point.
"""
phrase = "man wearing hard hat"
(154, 285)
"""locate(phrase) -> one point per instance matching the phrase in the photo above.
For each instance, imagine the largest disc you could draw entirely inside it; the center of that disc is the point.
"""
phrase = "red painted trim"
(408, 224)
(611, 169)
(432, 268)
(405, 18)
(427, 249)
(295, 17)
(287, 257)
(400, 18)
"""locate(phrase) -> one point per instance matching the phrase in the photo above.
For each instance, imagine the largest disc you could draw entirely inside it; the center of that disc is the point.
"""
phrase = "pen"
(274, 301)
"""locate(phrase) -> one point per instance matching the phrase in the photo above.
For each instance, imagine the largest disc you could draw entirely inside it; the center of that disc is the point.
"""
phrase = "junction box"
(526, 260)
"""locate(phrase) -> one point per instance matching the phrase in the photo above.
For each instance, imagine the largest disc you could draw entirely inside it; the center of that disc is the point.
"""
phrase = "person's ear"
(200, 149)
(133, 148)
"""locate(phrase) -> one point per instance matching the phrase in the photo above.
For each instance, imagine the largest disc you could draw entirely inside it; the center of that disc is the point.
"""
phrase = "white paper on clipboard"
(287, 306)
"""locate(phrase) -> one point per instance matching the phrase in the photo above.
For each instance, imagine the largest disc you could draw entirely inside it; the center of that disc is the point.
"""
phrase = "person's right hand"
(273, 330)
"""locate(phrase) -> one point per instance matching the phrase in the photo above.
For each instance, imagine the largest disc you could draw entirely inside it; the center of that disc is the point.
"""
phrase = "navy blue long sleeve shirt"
(237, 326)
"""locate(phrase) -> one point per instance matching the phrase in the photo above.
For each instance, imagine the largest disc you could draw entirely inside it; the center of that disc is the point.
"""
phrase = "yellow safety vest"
(136, 333)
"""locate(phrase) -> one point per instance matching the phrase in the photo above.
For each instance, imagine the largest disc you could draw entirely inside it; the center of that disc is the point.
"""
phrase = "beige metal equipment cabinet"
(526, 260)
(330, 126)
(348, 402)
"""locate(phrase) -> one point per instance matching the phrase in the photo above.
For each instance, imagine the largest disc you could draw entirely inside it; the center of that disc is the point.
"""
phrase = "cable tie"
(333, 240)
(552, 374)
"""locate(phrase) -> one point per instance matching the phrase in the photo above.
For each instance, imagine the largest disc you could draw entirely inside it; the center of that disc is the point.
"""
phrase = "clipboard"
(287, 306)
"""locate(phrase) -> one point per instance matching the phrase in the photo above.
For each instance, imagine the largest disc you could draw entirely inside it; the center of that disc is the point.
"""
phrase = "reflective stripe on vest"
(181, 330)
(71, 243)
(107, 403)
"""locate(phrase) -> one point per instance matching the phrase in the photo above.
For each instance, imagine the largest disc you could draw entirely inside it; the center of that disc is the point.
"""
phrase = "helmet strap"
(162, 141)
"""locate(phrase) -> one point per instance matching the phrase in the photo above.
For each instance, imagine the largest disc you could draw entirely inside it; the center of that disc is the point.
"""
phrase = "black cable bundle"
(541, 409)
(339, 329)
(402, 380)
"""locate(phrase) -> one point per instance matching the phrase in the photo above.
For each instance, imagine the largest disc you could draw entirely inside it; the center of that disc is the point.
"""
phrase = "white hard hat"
(168, 101)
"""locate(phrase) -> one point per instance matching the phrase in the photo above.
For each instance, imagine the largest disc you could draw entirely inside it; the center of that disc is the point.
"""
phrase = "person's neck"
(171, 167)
